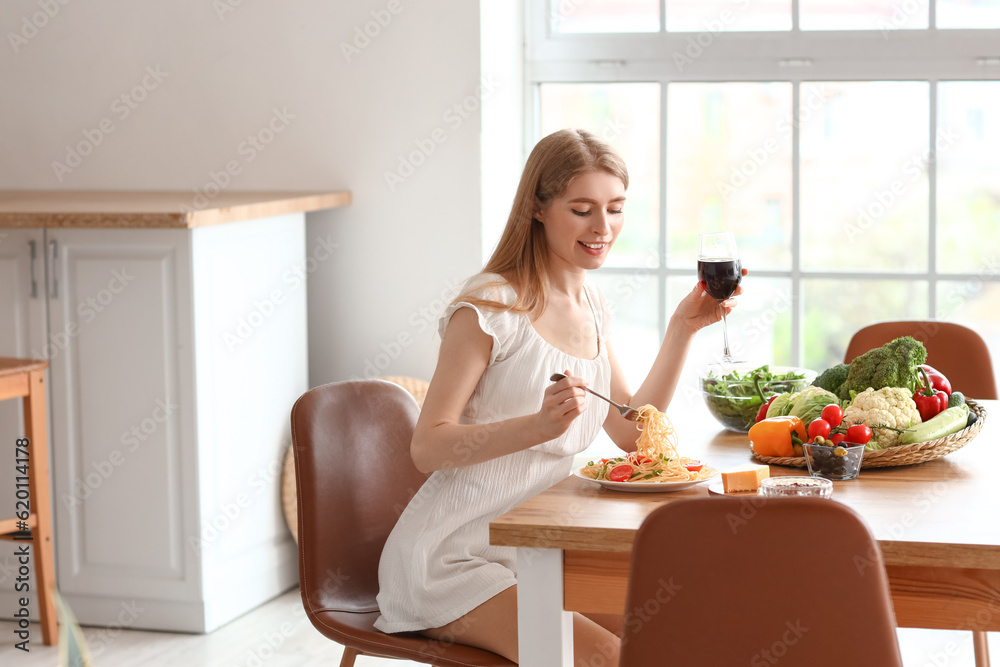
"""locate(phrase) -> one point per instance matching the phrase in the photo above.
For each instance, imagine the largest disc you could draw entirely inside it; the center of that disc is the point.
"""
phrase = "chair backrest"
(354, 476)
(955, 350)
(737, 581)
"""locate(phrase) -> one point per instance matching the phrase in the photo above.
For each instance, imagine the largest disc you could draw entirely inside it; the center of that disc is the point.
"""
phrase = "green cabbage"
(808, 404)
(780, 405)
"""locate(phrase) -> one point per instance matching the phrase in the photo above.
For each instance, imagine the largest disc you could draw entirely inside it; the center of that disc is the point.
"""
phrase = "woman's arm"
(696, 310)
(441, 442)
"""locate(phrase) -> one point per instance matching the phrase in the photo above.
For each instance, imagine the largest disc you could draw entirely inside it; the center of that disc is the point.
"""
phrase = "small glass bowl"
(837, 463)
(796, 486)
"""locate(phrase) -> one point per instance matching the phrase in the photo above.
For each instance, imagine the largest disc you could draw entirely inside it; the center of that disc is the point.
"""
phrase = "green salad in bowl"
(734, 395)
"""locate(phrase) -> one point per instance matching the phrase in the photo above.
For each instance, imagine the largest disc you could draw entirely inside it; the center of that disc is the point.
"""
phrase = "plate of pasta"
(655, 466)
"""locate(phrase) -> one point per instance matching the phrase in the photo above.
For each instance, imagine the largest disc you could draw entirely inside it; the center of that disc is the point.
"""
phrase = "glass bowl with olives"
(834, 461)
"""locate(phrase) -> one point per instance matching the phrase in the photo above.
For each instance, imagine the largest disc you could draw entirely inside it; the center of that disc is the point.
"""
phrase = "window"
(853, 147)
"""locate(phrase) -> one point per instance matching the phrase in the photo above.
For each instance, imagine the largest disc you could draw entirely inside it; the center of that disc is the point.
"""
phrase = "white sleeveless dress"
(438, 564)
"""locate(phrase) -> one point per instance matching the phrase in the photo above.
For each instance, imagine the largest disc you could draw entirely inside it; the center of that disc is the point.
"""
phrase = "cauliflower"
(888, 406)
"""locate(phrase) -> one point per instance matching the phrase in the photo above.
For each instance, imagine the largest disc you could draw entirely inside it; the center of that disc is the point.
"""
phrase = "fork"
(628, 413)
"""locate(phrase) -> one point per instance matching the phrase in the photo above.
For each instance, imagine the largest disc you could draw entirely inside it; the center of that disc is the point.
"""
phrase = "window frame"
(794, 56)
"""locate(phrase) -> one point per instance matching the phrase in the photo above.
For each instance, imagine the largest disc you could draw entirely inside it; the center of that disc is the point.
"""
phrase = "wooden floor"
(278, 635)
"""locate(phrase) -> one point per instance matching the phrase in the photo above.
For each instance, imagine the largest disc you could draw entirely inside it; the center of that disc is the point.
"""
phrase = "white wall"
(502, 53)
(224, 67)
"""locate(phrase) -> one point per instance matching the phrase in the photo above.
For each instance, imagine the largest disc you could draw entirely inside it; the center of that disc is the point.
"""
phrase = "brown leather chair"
(289, 502)
(737, 581)
(957, 351)
(354, 472)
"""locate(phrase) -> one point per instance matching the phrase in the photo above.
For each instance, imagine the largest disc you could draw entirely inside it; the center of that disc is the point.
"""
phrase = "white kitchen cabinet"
(175, 357)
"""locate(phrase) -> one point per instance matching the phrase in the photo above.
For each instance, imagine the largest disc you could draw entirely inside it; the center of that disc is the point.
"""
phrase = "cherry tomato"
(819, 428)
(620, 473)
(837, 438)
(833, 415)
(694, 466)
(859, 433)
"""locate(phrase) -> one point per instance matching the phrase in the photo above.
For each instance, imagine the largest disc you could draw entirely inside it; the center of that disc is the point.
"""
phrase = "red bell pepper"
(937, 379)
(929, 401)
(762, 413)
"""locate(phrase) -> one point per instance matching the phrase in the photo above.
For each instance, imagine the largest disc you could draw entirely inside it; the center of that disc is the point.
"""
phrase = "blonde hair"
(522, 254)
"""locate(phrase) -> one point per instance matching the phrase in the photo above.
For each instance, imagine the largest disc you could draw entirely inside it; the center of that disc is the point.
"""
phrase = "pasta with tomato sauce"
(655, 460)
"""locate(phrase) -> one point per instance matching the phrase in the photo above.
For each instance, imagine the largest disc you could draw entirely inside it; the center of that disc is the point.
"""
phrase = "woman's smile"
(595, 249)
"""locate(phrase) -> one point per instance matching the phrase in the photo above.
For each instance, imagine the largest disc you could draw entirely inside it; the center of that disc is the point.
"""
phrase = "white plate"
(654, 487)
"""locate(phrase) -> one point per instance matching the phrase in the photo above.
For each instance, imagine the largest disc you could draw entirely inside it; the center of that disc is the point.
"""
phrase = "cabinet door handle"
(34, 282)
(54, 281)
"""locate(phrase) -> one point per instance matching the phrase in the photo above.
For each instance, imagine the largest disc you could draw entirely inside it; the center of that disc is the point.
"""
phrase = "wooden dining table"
(937, 524)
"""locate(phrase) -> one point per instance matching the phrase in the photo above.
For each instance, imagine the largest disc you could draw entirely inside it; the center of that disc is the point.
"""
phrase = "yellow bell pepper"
(777, 436)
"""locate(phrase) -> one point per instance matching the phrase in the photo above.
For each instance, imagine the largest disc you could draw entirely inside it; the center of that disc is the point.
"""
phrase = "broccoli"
(832, 378)
(892, 365)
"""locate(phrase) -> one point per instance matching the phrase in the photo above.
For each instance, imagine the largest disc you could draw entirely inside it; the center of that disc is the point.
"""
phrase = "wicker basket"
(903, 455)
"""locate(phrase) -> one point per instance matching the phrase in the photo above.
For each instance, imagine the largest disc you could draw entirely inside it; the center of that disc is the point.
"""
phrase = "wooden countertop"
(153, 209)
(10, 365)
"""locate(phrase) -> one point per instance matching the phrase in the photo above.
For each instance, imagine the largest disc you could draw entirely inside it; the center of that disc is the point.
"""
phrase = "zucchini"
(944, 423)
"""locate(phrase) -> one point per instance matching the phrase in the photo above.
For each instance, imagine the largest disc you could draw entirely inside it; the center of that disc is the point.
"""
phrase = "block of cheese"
(744, 478)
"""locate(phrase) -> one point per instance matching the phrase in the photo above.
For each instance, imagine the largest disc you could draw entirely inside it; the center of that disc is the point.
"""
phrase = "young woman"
(493, 429)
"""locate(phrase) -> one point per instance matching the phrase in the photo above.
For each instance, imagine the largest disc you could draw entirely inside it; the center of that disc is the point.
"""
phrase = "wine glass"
(720, 271)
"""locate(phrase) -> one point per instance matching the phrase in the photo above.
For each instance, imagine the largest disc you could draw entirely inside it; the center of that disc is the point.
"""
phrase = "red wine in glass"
(720, 270)
(721, 276)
